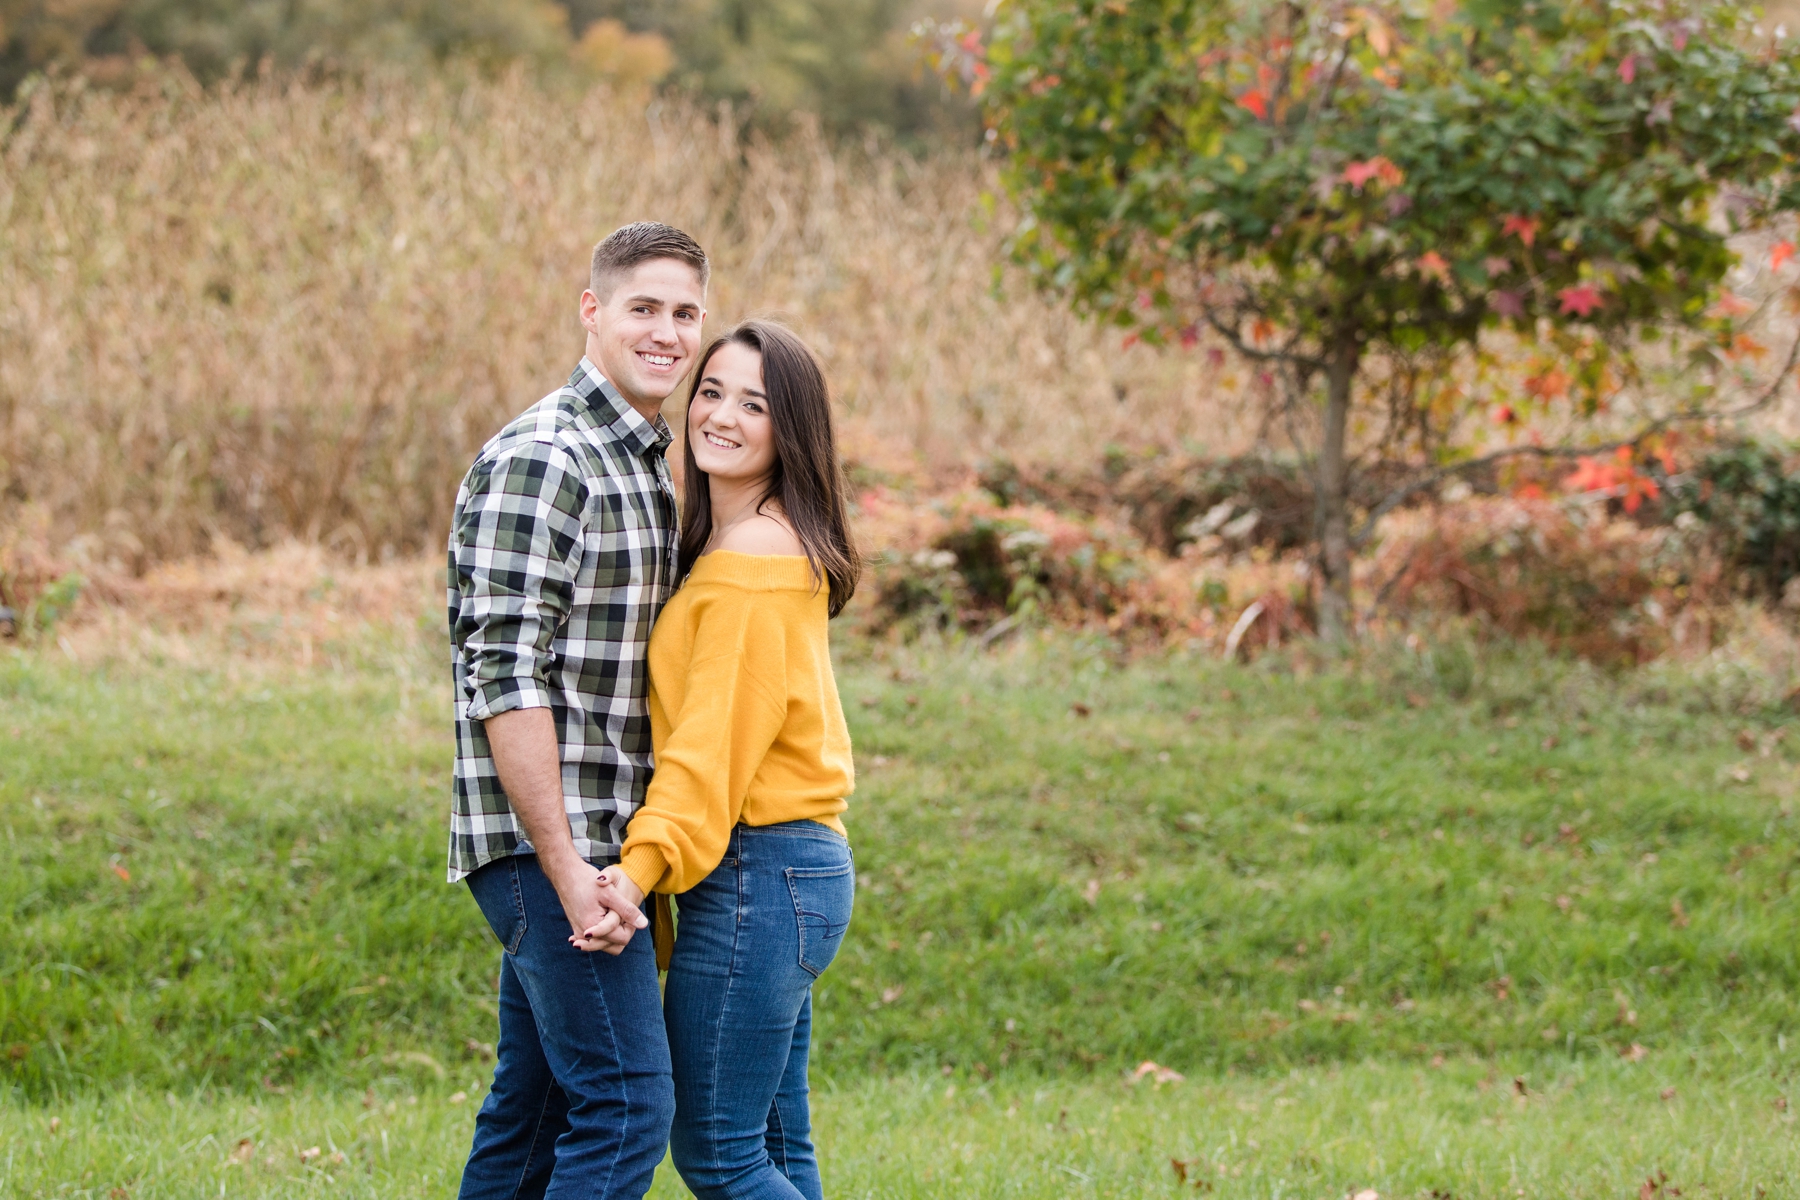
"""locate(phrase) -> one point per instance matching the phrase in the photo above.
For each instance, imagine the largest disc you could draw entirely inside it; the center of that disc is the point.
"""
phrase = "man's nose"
(663, 331)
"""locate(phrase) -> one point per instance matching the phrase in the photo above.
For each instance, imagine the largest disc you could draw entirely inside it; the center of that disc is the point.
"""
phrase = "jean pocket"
(823, 898)
(501, 900)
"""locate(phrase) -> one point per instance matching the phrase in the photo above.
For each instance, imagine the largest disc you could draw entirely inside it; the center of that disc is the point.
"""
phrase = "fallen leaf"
(1666, 1094)
(121, 872)
(1366, 1194)
(310, 1153)
(458, 1097)
(1519, 1088)
(1081, 710)
(1437, 1062)
(1780, 253)
(1677, 914)
(244, 1151)
(1156, 1073)
(1091, 893)
(1634, 1053)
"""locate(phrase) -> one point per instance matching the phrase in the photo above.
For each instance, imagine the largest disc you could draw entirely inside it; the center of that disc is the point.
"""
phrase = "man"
(562, 552)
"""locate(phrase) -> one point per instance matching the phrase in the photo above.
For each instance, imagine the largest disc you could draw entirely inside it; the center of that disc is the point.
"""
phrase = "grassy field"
(1351, 905)
(1583, 1128)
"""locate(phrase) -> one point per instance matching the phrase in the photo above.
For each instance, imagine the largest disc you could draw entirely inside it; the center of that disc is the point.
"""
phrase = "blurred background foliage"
(847, 61)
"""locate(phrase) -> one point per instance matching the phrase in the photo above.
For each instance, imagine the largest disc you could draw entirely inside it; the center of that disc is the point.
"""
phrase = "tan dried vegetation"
(294, 310)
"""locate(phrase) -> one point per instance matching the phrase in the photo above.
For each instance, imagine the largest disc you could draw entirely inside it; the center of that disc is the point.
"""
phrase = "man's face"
(645, 335)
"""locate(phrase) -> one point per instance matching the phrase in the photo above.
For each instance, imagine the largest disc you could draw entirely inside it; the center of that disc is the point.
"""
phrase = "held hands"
(619, 897)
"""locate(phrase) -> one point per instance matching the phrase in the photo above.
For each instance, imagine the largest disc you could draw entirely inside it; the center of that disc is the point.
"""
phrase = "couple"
(564, 548)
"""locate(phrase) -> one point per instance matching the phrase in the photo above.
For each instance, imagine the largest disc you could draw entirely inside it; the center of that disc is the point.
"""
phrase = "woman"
(752, 764)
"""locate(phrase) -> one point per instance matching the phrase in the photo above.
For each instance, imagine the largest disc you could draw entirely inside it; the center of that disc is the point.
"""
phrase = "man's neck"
(647, 409)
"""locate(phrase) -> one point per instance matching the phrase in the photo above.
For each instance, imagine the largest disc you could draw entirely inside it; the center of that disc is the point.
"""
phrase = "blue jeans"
(582, 1098)
(750, 940)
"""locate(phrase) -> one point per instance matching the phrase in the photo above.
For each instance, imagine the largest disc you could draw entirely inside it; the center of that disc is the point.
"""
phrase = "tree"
(1387, 205)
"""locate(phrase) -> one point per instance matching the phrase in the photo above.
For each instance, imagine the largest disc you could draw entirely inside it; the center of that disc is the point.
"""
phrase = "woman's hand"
(620, 897)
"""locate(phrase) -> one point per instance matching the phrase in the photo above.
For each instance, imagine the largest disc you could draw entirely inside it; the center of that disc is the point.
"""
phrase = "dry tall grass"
(294, 310)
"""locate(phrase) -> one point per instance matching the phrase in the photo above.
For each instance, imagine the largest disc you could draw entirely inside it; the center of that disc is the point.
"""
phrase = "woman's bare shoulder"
(761, 534)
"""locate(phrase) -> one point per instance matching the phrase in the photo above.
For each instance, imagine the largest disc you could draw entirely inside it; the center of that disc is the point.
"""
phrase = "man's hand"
(523, 741)
(623, 900)
(599, 918)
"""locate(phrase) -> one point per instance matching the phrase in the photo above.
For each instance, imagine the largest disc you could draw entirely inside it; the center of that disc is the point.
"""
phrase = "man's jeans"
(582, 1099)
(751, 938)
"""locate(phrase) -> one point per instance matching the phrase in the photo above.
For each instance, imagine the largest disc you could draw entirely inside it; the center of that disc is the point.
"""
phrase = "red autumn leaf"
(1380, 167)
(1256, 102)
(1590, 475)
(1628, 68)
(1432, 263)
(1780, 253)
(1581, 300)
(1190, 336)
(1131, 339)
(1525, 227)
(1732, 305)
(1504, 415)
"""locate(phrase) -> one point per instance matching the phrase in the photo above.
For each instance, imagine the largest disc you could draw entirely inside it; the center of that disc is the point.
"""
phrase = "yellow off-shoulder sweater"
(744, 716)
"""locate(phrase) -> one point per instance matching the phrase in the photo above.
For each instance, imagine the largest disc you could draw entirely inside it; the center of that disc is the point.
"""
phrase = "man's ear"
(590, 309)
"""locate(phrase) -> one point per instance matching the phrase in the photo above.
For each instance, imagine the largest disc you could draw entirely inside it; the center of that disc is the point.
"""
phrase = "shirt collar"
(615, 414)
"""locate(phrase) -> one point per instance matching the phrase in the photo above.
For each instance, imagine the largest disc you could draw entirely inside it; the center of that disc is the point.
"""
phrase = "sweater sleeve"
(733, 706)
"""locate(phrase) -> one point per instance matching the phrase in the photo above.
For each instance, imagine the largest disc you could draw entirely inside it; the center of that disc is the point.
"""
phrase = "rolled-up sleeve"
(516, 545)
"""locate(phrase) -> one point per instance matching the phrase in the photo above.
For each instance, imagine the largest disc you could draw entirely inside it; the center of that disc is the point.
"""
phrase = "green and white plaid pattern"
(562, 552)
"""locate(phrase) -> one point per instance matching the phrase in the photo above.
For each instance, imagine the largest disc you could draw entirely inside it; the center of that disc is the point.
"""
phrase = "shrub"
(1565, 574)
(1747, 497)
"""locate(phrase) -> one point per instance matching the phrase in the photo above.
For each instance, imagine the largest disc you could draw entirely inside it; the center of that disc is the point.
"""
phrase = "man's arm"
(523, 742)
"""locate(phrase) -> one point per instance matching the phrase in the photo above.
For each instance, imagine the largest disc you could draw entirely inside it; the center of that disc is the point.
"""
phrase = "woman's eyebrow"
(719, 383)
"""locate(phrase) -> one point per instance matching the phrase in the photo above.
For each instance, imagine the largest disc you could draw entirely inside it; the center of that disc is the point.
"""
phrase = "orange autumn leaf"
(1380, 167)
(1256, 101)
(121, 872)
(1780, 253)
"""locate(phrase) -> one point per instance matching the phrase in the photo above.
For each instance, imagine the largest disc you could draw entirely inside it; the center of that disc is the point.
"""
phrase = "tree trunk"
(1331, 517)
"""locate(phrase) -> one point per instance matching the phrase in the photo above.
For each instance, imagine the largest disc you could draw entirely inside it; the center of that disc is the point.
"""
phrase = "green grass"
(1584, 1128)
(234, 877)
(1302, 887)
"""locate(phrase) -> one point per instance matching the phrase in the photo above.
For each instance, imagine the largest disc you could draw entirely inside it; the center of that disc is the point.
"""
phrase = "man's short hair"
(630, 245)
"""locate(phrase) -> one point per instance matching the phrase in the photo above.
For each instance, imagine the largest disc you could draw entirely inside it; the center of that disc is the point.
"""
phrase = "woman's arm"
(734, 704)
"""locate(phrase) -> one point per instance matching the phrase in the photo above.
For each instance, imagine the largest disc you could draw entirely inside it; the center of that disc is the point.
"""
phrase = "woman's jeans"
(750, 940)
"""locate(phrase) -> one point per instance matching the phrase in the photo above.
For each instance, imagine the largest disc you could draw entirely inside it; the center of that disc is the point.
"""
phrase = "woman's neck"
(733, 501)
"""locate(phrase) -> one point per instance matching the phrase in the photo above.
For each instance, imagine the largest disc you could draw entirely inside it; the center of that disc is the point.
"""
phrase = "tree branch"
(1394, 499)
(1284, 355)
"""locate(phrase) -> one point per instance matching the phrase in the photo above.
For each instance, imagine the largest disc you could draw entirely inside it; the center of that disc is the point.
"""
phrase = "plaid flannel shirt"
(562, 552)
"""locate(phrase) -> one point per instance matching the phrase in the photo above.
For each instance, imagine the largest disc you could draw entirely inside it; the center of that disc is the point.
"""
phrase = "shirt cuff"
(503, 695)
(645, 865)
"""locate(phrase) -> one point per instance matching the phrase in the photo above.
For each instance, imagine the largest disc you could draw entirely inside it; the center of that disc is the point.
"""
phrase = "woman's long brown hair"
(807, 480)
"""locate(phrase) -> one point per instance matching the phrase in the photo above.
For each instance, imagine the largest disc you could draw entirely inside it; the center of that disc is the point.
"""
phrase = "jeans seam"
(780, 1137)
(518, 892)
(612, 1169)
(537, 1131)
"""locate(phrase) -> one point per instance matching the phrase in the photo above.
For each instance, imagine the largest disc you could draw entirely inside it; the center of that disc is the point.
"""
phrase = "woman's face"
(728, 421)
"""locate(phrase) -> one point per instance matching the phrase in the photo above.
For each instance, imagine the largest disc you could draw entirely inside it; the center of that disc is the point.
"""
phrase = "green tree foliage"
(1337, 189)
(849, 61)
(212, 36)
